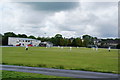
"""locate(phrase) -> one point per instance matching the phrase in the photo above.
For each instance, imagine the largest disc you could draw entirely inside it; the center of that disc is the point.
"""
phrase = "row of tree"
(57, 40)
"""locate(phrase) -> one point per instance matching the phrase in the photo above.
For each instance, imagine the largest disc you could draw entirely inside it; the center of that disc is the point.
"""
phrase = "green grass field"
(77, 58)
(14, 74)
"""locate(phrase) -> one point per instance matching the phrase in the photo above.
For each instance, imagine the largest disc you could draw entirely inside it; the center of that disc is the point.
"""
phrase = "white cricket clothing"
(26, 46)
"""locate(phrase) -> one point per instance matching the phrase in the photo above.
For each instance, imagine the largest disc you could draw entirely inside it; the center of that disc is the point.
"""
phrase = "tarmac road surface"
(59, 72)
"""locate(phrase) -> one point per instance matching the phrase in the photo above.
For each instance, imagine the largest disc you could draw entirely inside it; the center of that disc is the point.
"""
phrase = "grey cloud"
(52, 6)
(108, 30)
(99, 5)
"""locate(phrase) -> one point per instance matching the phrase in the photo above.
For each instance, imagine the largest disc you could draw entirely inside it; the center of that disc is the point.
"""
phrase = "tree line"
(58, 40)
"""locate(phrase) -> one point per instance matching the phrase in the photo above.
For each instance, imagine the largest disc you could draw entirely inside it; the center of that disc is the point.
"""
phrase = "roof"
(110, 41)
(23, 38)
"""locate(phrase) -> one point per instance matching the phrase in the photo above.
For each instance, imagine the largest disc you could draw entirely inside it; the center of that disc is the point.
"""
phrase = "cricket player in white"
(96, 48)
(109, 49)
(70, 48)
(26, 48)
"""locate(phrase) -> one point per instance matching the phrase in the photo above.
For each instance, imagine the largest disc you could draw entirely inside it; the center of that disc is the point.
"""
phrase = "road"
(59, 72)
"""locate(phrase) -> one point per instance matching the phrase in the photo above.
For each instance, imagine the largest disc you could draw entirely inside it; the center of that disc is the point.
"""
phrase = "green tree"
(70, 41)
(58, 36)
(32, 37)
(22, 35)
(77, 42)
(58, 40)
(5, 37)
(62, 43)
(88, 40)
(53, 41)
(66, 42)
(1, 39)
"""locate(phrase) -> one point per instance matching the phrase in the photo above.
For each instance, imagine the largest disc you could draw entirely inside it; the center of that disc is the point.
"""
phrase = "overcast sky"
(71, 19)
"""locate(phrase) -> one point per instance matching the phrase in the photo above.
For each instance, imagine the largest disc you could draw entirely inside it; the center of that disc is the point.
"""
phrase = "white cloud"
(96, 19)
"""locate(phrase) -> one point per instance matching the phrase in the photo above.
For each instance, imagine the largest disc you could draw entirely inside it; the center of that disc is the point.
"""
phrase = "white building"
(15, 41)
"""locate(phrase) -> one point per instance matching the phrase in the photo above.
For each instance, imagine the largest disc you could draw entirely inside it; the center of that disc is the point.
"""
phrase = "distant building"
(15, 41)
(97, 42)
(107, 43)
(46, 44)
(112, 43)
(104, 43)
